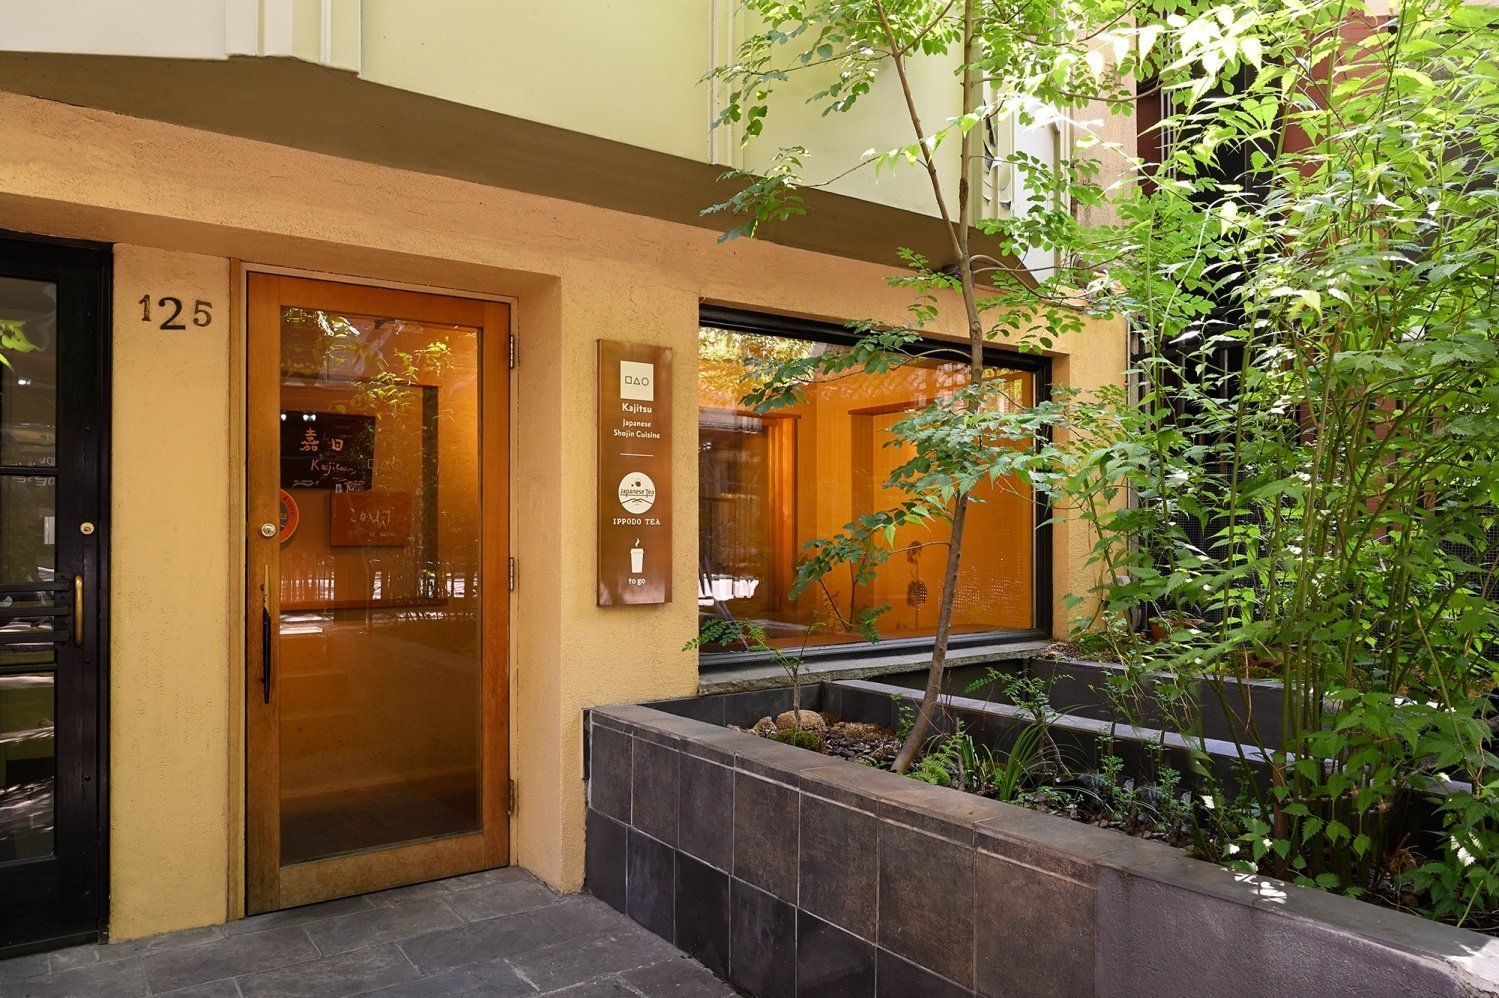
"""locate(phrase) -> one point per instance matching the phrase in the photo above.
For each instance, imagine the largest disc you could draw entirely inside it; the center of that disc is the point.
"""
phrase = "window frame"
(825, 657)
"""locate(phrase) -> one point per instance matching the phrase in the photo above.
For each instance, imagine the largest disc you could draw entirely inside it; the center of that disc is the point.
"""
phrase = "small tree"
(1011, 58)
(1310, 459)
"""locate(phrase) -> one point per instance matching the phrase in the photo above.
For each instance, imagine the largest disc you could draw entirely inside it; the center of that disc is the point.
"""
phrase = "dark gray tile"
(765, 836)
(896, 978)
(1051, 920)
(493, 978)
(676, 978)
(88, 956)
(926, 901)
(297, 916)
(650, 891)
(951, 814)
(380, 925)
(213, 989)
(705, 795)
(762, 942)
(447, 886)
(493, 900)
(583, 917)
(610, 773)
(830, 963)
(840, 863)
(117, 979)
(654, 791)
(246, 954)
(702, 913)
(604, 987)
(346, 974)
(575, 961)
(604, 859)
(18, 968)
(475, 942)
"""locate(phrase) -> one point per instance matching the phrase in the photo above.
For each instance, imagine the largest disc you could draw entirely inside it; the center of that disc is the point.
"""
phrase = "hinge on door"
(512, 351)
(510, 801)
(512, 575)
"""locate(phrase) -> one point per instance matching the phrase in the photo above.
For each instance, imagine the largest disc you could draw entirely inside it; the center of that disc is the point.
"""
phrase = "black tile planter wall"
(792, 874)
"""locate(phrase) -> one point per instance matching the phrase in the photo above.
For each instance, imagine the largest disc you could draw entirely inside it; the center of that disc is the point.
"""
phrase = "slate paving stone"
(475, 942)
(387, 945)
(608, 987)
(88, 956)
(678, 977)
(493, 900)
(346, 974)
(573, 962)
(381, 925)
(443, 888)
(297, 916)
(247, 954)
(213, 989)
(119, 979)
(492, 978)
(18, 968)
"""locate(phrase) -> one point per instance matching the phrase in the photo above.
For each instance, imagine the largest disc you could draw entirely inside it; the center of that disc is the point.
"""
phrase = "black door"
(53, 409)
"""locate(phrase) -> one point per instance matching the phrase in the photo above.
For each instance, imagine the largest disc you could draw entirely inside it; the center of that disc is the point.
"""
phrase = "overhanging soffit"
(307, 106)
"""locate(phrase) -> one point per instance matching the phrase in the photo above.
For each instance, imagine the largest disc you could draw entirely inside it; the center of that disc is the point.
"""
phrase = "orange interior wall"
(370, 692)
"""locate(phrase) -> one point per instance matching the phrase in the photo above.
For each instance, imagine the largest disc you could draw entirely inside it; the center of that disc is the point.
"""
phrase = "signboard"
(370, 519)
(634, 447)
(327, 450)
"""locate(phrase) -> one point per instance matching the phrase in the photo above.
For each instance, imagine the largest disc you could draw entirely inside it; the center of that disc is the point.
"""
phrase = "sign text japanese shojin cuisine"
(634, 502)
(327, 450)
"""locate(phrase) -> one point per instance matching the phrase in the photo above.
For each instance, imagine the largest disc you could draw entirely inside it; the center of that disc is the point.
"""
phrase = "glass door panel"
(379, 625)
(51, 526)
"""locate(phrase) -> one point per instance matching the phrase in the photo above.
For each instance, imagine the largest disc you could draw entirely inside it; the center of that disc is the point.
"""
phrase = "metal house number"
(202, 312)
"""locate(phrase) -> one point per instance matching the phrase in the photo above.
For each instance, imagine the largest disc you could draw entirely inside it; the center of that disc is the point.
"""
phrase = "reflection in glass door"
(374, 702)
(51, 387)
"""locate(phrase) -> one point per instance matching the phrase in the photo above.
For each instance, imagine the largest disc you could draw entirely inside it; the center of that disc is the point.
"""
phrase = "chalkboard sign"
(327, 450)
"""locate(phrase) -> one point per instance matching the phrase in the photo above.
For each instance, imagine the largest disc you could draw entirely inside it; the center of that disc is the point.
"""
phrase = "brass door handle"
(78, 610)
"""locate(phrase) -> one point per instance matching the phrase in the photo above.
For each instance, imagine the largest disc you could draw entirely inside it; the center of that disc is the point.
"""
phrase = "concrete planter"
(790, 873)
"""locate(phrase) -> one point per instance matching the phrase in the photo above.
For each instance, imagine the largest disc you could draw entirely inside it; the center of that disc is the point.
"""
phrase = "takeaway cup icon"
(637, 558)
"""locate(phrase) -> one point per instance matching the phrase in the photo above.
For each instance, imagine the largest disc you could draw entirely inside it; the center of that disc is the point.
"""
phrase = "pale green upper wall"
(617, 69)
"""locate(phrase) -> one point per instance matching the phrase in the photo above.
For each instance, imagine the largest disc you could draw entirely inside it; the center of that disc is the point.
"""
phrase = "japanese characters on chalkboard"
(327, 450)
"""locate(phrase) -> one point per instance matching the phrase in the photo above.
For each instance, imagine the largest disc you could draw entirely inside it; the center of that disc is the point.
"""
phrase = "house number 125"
(202, 312)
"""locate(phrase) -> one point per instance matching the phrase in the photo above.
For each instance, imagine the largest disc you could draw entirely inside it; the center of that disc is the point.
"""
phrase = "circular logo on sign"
(289, 516)
(637, 493)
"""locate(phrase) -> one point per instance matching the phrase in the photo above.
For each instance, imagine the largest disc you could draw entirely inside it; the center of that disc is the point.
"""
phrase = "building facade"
(303, 505)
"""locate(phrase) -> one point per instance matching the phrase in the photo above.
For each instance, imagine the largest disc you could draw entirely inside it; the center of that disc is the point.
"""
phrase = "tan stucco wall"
(170, 646)
(576, 273)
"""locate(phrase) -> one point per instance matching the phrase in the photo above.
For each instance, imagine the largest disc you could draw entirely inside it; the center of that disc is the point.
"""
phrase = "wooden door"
(377, 596)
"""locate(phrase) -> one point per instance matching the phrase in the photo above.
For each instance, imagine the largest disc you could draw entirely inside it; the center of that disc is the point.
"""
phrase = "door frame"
(497, 421)
(90, 265)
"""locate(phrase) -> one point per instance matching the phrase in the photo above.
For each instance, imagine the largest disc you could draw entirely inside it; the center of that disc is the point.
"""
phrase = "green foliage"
(729, 631)
(13, 339)
(1304, 462)
(799, 737)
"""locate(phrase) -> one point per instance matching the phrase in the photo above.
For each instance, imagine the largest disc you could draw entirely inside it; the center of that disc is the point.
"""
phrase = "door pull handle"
(78, 610)
(265, 637)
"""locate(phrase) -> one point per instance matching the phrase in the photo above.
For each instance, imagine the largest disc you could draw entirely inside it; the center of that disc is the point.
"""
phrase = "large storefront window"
(769, 483)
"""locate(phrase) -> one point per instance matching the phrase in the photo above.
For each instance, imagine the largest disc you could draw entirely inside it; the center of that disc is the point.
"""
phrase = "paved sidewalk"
(497, 933)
